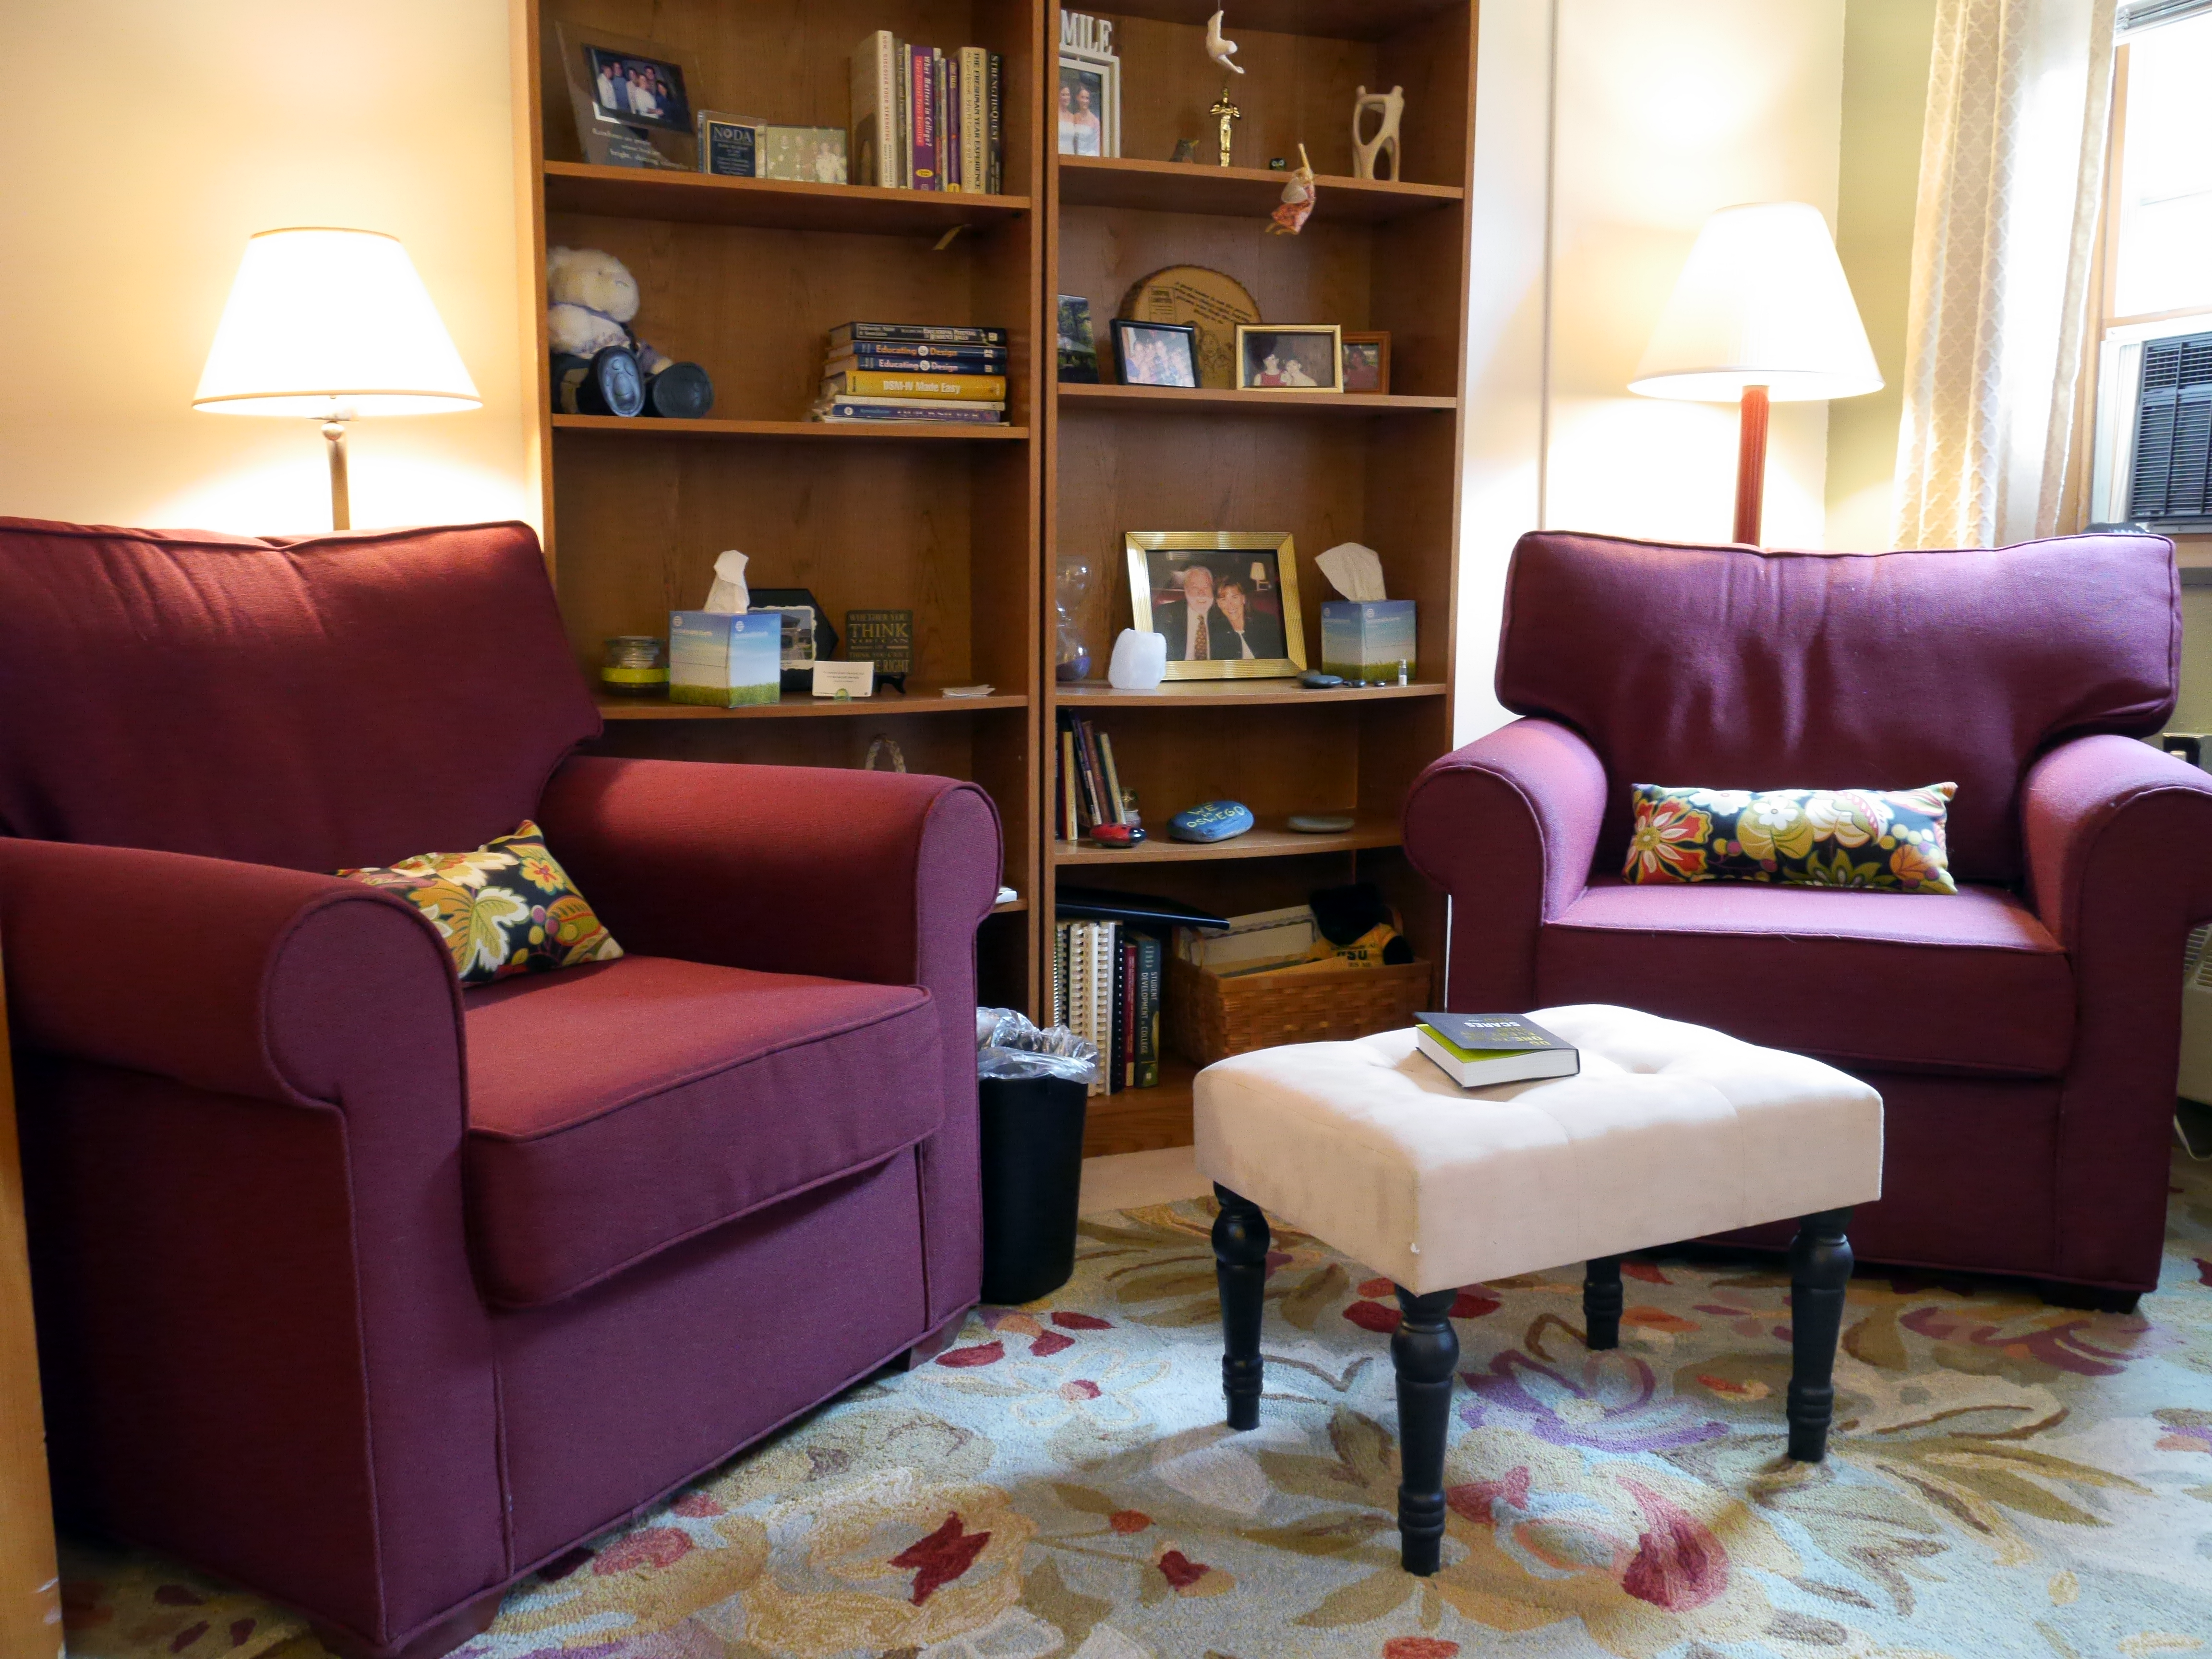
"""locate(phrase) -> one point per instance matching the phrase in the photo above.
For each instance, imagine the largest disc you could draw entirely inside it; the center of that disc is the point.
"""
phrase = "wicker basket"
(1209, 1018)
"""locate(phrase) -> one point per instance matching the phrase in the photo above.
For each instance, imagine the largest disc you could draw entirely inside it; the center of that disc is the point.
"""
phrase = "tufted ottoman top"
(1671, 1132)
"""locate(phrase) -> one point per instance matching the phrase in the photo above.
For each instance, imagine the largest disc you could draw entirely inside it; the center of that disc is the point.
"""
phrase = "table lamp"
(1761, 313)
(329, 324)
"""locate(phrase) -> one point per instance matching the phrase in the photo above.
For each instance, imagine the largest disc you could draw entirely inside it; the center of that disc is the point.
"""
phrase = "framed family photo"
(1367, 361)
(632, 98)
(1279, 357)
(1226, 600)
(1156, 353)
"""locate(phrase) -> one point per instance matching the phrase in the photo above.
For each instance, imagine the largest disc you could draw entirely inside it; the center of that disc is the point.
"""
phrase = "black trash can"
(1032, 1181)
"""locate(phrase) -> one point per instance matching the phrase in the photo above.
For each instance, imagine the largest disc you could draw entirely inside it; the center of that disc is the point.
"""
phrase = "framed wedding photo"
(1156, 353)
(1367, 361)
(1293, 357)
(1226, 601)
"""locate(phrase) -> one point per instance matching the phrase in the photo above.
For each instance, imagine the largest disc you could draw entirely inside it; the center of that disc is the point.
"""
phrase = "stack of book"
(1106, 988)
(1090, 785)
(926, 120)
(914, 372)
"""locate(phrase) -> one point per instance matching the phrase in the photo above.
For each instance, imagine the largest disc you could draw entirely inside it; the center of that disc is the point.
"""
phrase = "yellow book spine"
(966, 388)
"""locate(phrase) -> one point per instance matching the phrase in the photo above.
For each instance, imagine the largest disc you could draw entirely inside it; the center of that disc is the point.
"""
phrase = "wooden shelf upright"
(746, 277)
(1380, 470)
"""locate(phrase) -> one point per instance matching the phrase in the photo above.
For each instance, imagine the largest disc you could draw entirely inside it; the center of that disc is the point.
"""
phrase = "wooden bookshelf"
(1381, 469)
(966, 525)
(746, 277)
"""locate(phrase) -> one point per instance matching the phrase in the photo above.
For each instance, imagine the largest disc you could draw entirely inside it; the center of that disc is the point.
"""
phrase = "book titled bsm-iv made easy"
(1480, 1051)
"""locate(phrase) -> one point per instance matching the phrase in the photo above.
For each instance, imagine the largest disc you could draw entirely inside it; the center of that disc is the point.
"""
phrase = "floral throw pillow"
(508, 908)
(1889, 840)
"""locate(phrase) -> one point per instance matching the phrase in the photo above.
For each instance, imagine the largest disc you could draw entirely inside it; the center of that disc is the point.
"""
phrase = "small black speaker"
(680, 392)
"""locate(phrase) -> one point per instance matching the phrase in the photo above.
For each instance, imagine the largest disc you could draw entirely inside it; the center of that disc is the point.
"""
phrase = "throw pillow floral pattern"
(508, 908)
(1891, 840)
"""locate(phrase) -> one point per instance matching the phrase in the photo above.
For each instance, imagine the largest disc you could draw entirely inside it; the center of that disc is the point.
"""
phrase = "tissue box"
(727, 662)
(1368, 641)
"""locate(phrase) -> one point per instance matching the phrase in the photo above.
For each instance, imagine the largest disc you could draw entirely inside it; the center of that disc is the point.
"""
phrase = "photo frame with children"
(1289, 357)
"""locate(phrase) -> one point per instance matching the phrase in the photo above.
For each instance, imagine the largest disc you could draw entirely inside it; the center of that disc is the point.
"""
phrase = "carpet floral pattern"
(2006, 1479)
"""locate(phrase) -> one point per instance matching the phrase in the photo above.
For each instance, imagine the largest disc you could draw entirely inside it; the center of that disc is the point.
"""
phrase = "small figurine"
(1390, 108)
(1186, 149)
(1226, 109)
(1298, 198)
(1220, 51)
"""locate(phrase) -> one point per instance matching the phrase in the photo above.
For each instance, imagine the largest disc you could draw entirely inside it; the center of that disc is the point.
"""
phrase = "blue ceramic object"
(1213, 820)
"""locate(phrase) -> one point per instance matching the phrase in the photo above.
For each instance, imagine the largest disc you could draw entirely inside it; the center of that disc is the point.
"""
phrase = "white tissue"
(729, 596)
(1354, 571)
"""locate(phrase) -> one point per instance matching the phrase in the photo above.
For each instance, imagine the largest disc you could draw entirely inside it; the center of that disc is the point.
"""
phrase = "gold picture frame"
(1318, 348)
(1260, 566)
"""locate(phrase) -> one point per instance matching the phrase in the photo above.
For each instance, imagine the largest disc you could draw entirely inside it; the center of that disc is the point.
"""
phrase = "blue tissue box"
(724, 661)
(1368, 641)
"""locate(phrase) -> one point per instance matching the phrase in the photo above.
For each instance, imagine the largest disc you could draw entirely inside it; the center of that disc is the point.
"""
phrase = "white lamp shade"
(332, 323)
(1762, 301)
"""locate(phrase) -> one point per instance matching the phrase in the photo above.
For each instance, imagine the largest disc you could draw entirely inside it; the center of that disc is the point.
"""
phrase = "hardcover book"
(846, 334)
(1480, 1051)
(879, 383)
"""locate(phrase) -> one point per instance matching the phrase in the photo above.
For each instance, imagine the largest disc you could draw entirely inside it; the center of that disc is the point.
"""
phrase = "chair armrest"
(208, 972)
(2118, 835)
(878, 877)
(1507, 826)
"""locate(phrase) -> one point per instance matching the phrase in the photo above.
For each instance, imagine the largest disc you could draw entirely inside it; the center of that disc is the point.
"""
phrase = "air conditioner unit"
(2153, 464)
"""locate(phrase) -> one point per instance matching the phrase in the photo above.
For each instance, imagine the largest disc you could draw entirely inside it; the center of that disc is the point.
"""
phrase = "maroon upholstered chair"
(370, 1294)
(2023, 1033)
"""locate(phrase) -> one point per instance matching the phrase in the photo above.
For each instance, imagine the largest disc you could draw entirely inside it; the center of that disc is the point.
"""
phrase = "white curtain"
(2012, 172)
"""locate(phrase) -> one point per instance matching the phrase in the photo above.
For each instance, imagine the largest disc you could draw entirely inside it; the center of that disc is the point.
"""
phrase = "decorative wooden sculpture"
(1390, 108)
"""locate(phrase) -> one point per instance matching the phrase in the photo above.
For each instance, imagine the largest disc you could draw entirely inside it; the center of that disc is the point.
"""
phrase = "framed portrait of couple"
(1226, 600)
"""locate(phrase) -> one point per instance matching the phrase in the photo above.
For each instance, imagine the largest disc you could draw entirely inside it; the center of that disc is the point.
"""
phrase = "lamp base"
(341, 506)
(1751, 464)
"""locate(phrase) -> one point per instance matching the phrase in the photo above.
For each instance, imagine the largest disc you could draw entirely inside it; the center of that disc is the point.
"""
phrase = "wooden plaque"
(1207, 301)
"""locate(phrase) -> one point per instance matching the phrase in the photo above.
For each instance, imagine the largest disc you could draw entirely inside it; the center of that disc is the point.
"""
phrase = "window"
(2153, 460)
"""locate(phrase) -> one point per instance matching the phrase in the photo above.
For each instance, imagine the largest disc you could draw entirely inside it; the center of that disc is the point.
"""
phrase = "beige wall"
(1886, 49)
(1607, 131)
(123, 230)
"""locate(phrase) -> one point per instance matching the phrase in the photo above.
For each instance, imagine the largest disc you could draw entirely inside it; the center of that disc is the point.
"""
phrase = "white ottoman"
(1671, 1132)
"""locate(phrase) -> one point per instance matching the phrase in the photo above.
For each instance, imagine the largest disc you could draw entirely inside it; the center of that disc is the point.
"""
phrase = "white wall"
(1656, 116)
(124, 229)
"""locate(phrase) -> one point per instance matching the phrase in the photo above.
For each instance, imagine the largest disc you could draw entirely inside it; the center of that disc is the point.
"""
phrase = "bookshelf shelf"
(698, 198)
(1336, 20)
(798, 705)
(1265, 841)
(1143, 1120)
(1166, 399)
(641, 427)
(1090, 181)
(1086, 694)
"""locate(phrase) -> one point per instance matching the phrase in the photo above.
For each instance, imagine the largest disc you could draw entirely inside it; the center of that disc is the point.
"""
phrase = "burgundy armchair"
(2024, 1033)
(370, 1293)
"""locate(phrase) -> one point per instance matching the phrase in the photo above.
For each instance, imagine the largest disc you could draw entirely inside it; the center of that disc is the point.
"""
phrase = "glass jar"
(636, 667)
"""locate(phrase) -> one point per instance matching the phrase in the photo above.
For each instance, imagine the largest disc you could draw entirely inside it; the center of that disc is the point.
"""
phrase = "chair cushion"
(1887, 841)
(616, 1109)
(1971, 982)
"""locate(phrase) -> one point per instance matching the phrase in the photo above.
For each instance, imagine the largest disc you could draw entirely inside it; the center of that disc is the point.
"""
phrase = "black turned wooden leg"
(1819, 1272)
(1424, 1353)
(1240, 1266)
(1601, 1301)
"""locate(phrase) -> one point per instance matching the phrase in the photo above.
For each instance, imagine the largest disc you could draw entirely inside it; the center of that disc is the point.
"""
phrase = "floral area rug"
(2007, 1478)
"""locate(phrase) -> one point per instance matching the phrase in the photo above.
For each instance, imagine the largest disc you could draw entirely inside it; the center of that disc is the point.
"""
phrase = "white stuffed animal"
(590, 298)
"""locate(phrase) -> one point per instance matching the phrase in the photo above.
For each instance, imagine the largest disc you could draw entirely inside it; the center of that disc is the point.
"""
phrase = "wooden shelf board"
(1239, 193)
(1339, 20)
(1142, 1120)
(862, 431)
(1267, 841)
(1213, 693)
(702, 198)
(797, 705)
(1156, 399)
(1011, 907)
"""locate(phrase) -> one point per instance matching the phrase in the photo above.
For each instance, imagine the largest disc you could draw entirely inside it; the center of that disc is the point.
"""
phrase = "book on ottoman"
(1480, 1051)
